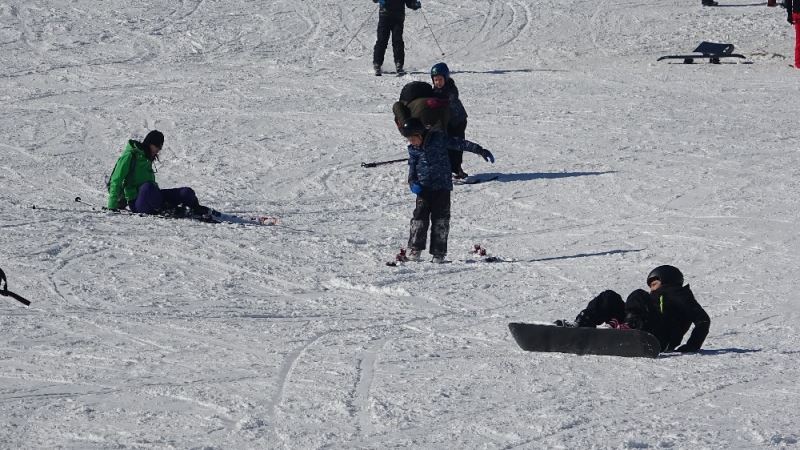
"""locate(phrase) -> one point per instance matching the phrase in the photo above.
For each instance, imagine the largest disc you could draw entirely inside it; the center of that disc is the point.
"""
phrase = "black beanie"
(154, 137)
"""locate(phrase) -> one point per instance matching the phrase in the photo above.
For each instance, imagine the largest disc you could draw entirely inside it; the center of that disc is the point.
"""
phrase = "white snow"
(151, 333)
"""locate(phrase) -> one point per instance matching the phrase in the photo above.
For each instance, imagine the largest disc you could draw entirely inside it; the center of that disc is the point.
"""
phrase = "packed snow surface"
(147, 332)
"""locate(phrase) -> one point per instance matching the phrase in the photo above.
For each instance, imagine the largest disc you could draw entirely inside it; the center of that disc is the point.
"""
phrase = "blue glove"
(487, 155)
(416, 5)
(416, 188)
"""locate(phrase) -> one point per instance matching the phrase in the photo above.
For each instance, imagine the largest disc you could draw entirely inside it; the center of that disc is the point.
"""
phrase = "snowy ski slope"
(151, 333)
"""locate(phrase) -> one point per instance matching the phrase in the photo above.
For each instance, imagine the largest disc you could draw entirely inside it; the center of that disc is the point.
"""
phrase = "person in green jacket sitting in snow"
(133, 181)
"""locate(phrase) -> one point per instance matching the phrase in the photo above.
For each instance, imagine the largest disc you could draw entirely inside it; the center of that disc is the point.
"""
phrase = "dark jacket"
(458, 115)
(396, 7)
(668, 313)
(429, 165)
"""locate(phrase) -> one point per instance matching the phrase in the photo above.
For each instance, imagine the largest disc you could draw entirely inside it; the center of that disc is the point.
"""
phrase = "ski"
(476, 179)
(208, 216)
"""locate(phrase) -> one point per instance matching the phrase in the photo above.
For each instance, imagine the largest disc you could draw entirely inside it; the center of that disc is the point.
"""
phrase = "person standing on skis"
(430, 180)
(391, 18)
(445, 86)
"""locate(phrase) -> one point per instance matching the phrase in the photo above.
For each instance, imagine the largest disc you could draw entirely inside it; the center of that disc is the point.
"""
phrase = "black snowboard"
(585, 341)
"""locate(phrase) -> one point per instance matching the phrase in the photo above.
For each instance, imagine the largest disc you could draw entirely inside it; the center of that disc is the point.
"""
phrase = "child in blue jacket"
(429, 178)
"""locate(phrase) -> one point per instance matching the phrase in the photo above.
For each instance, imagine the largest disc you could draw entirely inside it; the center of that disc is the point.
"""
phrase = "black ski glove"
(487, 155)
(417, 5)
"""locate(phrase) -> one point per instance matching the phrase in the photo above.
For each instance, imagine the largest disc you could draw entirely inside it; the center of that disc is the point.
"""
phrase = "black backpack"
(415, 90)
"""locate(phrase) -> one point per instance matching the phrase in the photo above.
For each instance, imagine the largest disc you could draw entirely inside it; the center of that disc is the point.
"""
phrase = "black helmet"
(413, 126)
(440, 69)
(668, 275)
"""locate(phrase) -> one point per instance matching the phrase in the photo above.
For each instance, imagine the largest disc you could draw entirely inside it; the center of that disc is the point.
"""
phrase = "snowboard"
(585, 341)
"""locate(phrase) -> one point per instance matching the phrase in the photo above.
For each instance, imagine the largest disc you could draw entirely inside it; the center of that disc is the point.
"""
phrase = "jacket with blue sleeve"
(429, 165)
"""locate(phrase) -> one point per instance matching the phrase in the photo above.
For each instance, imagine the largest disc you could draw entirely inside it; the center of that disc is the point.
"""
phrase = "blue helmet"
(440, 69)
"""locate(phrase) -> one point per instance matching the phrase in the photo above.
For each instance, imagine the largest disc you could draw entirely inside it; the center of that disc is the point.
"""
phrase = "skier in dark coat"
(429, 178)
(667, 311)
(445, 86)
(793, 10)
(391, 16)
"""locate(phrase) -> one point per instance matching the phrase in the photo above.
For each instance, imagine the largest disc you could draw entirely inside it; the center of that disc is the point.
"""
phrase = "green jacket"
(132, 170)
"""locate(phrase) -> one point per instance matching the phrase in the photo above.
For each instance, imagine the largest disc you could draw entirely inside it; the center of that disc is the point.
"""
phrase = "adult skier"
(667, 311)
(391, 17)
(133, 181)
(429, 178)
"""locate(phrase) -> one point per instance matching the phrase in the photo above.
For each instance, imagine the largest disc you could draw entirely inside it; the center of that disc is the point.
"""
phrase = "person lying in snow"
(667, 311)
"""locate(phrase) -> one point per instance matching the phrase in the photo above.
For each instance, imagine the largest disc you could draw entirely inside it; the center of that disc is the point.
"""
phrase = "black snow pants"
(638, 311)
(390, 24)
(456, 157)
(606, 306)
(432, 210)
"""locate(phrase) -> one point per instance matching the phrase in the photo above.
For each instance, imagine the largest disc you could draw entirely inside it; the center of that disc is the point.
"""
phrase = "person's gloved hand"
(417, 5)
(416, 188)
(487, 155)
(685, 348)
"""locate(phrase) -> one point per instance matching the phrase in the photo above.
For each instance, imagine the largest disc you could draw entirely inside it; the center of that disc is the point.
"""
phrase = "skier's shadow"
(584, 255)
(714, 352)
(488, 72)
(738, 6)
(514, 177)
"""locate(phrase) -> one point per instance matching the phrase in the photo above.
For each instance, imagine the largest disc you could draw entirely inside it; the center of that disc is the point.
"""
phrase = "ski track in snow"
(155, 333)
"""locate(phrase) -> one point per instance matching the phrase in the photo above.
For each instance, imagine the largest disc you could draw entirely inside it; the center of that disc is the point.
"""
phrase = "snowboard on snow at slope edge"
(585, 341)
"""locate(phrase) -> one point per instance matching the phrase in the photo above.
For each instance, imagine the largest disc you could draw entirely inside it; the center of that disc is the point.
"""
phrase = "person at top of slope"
(793, 10)
(667, 311)
(445, 86)
(391, 18)
(429, 178)
(133, 182)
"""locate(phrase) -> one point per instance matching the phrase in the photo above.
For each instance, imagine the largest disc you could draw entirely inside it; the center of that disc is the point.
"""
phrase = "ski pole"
(6, 293)
(360, 27)
(380, 163)
(434, 36)
(104, 209)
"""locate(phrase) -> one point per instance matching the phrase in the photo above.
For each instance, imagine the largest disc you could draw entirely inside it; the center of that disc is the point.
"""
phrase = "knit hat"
(154, 137)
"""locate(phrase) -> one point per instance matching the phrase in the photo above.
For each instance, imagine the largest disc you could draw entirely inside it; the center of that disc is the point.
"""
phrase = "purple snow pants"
(151, 199)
